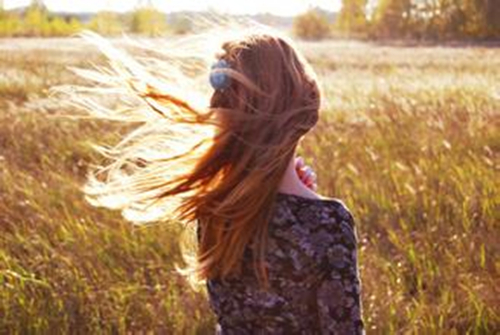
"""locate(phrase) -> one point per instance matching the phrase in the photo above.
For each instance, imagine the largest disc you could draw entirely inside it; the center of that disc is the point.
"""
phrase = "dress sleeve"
(339, 293)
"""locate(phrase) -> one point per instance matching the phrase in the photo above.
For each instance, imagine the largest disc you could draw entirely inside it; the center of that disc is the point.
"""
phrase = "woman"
(277, 258)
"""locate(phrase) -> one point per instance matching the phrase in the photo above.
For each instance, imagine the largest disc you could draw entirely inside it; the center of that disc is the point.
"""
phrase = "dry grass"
(409, 139)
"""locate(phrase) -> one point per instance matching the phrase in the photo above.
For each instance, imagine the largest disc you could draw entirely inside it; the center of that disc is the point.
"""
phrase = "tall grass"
(409, 139)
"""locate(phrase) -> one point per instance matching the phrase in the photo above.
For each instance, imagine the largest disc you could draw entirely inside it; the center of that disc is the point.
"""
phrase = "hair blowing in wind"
(198, 154)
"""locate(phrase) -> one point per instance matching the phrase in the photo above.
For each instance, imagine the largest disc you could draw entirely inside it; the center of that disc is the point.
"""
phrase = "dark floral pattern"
(314, 276)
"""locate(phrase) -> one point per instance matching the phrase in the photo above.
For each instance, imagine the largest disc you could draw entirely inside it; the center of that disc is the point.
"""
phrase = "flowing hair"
(214, 157)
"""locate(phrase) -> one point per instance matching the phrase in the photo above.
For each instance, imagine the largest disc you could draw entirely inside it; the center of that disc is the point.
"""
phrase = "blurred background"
(367, 19)
(409, 139)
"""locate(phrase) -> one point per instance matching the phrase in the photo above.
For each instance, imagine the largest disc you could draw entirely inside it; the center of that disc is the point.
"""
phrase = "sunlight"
(282, 7)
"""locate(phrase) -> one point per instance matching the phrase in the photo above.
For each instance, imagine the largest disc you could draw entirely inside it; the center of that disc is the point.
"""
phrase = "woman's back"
(313, 275)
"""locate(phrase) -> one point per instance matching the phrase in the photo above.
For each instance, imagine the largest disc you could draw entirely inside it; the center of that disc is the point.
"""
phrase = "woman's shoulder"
(323, 221)
(314, 203)
(312, 198)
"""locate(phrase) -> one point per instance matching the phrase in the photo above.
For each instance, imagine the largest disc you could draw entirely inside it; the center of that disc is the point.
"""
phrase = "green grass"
(409, 138)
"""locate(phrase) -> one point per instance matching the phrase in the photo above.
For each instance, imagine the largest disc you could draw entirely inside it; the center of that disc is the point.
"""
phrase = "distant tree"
(352, 16)
(61, 27)
(58, 27)
(148, 21)
(493, 18)
(311, 25)
(106, 23)
(485, 19)
(36, 21)
(2, 11)
(392, 18)
(428, 19)
(448, 20)
(10, 25)
(75, 25)
(444, 19)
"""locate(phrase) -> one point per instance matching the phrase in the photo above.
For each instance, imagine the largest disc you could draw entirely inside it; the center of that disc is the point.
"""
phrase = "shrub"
(311, 25)
(106, 23)
(37, 22)
(148, 21)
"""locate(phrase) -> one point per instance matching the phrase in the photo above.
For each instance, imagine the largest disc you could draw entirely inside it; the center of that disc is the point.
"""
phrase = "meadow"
(409, 139)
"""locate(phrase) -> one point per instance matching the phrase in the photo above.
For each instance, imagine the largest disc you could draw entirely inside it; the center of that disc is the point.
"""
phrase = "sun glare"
(281, 7)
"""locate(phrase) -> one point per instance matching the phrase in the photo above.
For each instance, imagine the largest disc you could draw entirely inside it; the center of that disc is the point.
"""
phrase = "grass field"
(409, 138)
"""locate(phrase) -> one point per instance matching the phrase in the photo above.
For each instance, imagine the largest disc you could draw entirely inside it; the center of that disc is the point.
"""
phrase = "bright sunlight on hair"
(199, 149)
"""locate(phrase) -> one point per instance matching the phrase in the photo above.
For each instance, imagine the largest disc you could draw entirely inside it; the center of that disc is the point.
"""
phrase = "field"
(409, 139)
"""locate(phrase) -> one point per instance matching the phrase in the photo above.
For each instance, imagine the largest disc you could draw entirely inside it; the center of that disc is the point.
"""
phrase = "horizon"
(279, 8)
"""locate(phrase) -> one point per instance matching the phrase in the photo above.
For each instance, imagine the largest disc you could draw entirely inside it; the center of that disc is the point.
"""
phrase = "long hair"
(216, 162)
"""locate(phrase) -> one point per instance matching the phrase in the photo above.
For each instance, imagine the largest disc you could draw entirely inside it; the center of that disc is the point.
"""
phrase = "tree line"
(407, 19)
(374, 19)
(37, 21)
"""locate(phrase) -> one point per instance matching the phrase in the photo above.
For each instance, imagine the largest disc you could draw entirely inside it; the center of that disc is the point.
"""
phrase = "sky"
(279, 7)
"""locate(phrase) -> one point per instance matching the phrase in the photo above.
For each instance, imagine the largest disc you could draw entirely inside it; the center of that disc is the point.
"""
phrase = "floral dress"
(313, 273)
